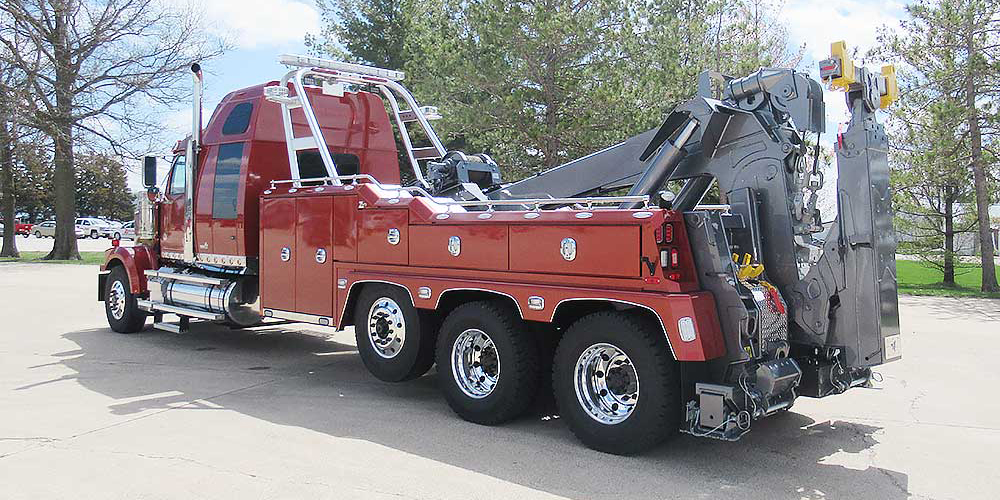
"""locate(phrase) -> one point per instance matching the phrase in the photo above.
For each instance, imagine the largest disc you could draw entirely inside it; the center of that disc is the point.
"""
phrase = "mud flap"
(102, 282)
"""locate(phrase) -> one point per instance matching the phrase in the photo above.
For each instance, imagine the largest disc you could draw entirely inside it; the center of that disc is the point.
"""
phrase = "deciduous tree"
(102, 66)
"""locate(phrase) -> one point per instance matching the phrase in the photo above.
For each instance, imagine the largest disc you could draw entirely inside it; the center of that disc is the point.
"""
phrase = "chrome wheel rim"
(116, 300)
(475, 363)
(606, 383)
(386, 327)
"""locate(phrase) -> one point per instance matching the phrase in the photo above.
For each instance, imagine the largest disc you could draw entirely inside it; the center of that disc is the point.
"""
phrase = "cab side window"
(177, 176)
(227, 180)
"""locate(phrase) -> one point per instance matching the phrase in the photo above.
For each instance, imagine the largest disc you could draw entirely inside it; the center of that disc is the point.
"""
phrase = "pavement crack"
(892, 479)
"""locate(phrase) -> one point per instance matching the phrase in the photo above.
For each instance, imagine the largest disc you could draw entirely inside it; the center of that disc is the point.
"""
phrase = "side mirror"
(149, 172)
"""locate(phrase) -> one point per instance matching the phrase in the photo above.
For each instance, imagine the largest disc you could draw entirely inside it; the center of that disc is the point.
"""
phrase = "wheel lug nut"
(599, 374)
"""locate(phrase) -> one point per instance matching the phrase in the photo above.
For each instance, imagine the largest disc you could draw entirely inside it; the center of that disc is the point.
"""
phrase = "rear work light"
(671, 257)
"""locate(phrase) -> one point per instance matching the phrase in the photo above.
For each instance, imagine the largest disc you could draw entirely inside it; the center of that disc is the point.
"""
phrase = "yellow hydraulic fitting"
(746, 270)
(891, 87)
(842, 77)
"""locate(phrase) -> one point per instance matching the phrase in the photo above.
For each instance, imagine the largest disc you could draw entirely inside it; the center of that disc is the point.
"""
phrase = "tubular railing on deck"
(537, 203)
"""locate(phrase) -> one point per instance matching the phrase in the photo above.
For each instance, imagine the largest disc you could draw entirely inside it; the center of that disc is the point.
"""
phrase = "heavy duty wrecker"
(655, 312)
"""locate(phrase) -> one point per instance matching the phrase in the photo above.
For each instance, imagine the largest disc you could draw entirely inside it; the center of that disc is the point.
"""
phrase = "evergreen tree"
(102, 187)
(536, 83)
(954, 47)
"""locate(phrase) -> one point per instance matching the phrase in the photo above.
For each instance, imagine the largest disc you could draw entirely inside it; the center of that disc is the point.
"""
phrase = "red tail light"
(664, 233)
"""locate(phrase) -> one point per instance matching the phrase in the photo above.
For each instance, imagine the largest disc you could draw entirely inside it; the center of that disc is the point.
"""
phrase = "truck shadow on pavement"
(303, 379)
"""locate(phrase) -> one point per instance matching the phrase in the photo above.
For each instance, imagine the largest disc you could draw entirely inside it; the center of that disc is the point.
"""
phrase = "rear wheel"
(124, 315)
(118, 236)
(93, 234)
(395, 340)
(38, 234)
(488, 364)
(616, 383)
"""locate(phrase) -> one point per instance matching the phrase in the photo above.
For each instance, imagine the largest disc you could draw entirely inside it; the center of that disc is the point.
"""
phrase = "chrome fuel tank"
(238, 298)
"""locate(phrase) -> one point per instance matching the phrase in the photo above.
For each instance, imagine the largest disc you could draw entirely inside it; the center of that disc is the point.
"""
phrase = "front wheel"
(488, 363)
(395, 340)
(124, 315)
(118, 236)
(616, 384)
(94, 235)
(38, 234)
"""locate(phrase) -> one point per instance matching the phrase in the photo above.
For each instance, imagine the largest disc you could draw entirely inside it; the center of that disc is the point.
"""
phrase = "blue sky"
(260, 30)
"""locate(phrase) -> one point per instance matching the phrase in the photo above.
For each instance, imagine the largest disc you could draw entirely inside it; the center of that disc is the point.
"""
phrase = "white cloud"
(818, 24)
(255, 23)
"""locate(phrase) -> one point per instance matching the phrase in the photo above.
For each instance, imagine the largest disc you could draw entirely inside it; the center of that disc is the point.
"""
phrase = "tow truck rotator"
(289, 205)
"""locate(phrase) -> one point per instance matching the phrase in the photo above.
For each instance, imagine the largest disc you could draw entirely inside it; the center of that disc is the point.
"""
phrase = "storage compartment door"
(277, 254)
(314, 256)
(383, 237)
(576, 249)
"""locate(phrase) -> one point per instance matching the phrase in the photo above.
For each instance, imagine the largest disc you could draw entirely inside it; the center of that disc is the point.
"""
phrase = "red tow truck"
(652, 312)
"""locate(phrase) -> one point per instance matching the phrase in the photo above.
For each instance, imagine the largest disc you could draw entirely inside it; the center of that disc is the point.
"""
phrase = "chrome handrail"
(722, 208)
(587, 201)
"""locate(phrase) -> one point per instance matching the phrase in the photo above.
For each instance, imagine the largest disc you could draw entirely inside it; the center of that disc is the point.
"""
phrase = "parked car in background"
(128, 231)
(47, 229)
(19, 227)
(112, 229)
(92, 227)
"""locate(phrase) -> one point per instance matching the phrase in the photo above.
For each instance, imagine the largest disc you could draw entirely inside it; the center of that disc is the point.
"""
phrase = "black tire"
(657, 412)
(93, 234)
(517, 362)
(408, 358)
(38, 234)
(132, 318)
(118, 236)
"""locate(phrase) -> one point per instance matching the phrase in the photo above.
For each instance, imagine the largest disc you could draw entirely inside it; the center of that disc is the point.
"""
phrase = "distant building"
(968, 243)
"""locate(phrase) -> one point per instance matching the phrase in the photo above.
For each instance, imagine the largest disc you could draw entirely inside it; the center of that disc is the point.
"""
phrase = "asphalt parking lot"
(281, 412)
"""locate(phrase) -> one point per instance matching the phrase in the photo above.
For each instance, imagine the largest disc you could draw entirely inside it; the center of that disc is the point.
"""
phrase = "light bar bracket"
(359, 69)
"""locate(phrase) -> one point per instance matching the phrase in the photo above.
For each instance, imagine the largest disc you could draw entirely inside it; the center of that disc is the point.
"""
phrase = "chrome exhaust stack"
(191, 160)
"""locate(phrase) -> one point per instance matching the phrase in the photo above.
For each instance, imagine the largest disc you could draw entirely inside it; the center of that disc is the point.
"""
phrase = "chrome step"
(169, 327)
(149, 305)
(188, 278)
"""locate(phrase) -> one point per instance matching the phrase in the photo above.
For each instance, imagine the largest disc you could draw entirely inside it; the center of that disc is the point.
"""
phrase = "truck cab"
(243, 150)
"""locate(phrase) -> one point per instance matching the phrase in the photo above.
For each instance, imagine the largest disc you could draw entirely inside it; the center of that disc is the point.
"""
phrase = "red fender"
(136, 260)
